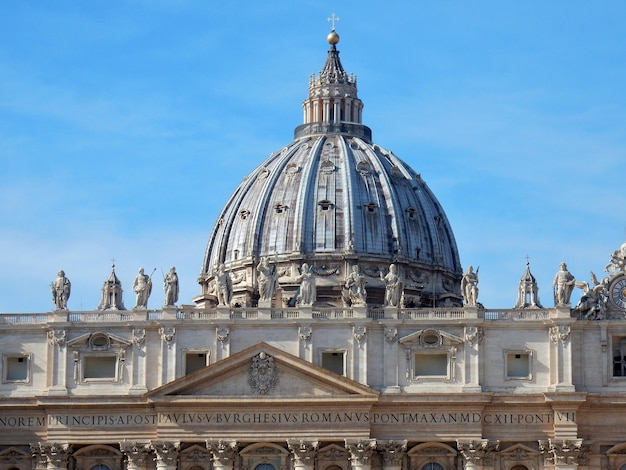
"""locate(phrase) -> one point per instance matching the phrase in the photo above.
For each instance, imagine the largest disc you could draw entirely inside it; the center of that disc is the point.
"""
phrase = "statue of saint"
(469, 286)
(393, 287)
(355, 287)
(224, 286)
(307, 294)
(267, 279)
(563, 286)
(170, 286)
(61, 288)
(142, 286)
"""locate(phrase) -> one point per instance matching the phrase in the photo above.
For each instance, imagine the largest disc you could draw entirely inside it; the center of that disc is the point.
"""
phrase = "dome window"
(364, 168)
(244, 214)
(412, 213)
(371, 207)
(280, 208)
(325, 205)
(327, 167)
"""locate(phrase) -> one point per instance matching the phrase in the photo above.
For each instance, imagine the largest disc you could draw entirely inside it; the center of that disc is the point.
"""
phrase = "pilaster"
(58, 358)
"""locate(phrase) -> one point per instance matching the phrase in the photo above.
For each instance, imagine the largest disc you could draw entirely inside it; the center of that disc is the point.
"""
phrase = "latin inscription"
(285, 419)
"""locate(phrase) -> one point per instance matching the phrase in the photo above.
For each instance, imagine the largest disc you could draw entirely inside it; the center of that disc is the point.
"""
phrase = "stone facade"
(352, 351)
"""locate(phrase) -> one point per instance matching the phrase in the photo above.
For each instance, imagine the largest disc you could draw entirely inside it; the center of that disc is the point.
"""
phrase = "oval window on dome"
(354, 145)
(364, 168)
(264, 173)
(371, 207)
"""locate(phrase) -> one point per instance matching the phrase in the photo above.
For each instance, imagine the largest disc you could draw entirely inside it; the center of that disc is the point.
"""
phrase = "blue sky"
(126, 125)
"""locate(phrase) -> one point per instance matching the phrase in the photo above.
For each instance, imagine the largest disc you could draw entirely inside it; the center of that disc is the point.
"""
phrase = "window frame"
(522, 352)
(6, 358)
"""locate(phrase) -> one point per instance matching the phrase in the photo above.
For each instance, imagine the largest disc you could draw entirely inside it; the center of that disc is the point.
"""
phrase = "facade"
(334, 330)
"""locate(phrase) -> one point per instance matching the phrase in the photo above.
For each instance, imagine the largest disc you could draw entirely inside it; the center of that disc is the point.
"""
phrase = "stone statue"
(267, 279)
(592, 304)
(307, 294)
(355, 290)
(223, 286)
(393, 287)
(563, 286)
(61, 288)
(469, 286)
(170, 286)
(142, 286)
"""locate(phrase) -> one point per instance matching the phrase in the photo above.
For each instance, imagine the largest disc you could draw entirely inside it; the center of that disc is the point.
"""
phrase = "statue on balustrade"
(563, 286)
(307, 293)
(354, 292)
(267, 280)
(393, 287)
(61, 289)
(223, 286)
(170, 286)
(469, 287)
(142, 286)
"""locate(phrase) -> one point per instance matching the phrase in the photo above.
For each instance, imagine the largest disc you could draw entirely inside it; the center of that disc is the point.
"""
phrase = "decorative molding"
(391, 334)
(56, 338)
(224, 452)
(167, 334)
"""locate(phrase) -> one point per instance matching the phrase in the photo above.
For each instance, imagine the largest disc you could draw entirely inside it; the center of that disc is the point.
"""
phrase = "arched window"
(432, 466)
(522, 467)
(100, 467)
(264, 466)
(623, 467)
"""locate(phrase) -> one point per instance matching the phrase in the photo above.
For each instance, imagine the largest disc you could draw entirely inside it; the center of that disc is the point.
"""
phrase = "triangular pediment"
(430, 338)
(266, 372)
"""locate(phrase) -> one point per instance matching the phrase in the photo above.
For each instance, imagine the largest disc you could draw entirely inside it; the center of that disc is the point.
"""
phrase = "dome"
(333, 199)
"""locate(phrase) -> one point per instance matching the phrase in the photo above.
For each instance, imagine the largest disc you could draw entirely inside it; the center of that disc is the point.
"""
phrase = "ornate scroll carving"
(560, 332)
(262, 375)
(56, 338)
(391, 334)
(473, 334)
(139, 336)
(167, 334)
(359, 333)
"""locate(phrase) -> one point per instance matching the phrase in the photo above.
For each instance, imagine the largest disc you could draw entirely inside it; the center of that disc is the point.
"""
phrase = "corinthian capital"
(392, 451)
(361, 450)
(477, 451)
(224, 452)
(303, 451)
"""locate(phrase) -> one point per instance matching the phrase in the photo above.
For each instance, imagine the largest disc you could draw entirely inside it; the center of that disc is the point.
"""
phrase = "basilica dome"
(327, 202)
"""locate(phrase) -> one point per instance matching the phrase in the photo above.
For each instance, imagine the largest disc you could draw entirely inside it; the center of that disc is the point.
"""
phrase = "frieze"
(260, 418)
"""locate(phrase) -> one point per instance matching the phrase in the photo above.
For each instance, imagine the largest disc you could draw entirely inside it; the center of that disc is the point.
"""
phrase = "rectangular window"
(518, 365)
(100, 367)
(334, 361)
(194, 361)
(619, 357)
(430, 365)
(16, 368)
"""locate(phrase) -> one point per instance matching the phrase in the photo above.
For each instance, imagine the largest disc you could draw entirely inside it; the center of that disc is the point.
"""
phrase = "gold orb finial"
(333, 37)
